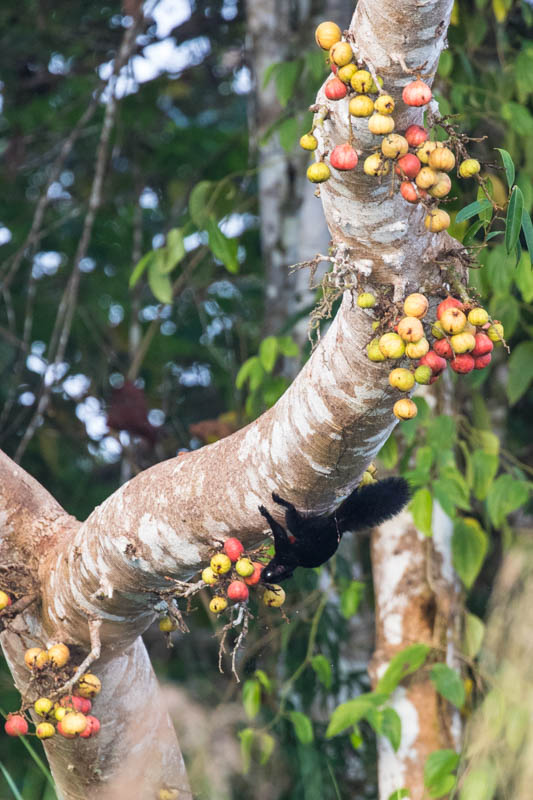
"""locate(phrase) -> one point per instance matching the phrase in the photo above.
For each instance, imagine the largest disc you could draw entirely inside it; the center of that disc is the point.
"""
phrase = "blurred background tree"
(192, 183)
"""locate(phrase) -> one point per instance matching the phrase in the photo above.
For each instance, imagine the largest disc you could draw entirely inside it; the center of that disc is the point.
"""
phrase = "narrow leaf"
(472, 209)
(527, 227)
(10, 782)
(508, 166)
(391, 727)
(448, 683)
(141, 266)
(159, 283)
(513, 221)
(263, 679)
(251, 697)
(247, 737)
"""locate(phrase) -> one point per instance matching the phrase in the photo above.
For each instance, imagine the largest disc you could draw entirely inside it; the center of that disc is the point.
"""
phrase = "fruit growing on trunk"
(244, 567)
(327, 34)
(5, 600)
(255, 577)
(401, 379)
(425, 150)
(415, 305)
(416, 93)
(373, 351)
(366, 300)
(220, 563)
(380, 124)
(441, 158)
(335, 89)
(89, 685)
(43, 706)
(384, 104)
(59, 655)
(308, 141)
(425, 178)
(218, 604)
(405, 409)
(482, 361)
(238, 591)
(341, 53)
(423, 374)
(345, 73)
(435, 362)
(416, 135)
(483, 345)
(35, 658)
(469, 168)
(417, 349)
(478, 316)
(361, 106)
(449, 302)
(233, 548)
(274, 597)
(343, 157)
(442, 185)
(408, 166)
(410, 193)
(443, 348)
(437, 220)
(392, 345)
(318, 172)
(376, 165)
(410, 329)
(394, 145)
(16, 725)
(452, 320)
(45, 730)
(495, 332)
(93, 726)
(361, 81)
(463, 363)
(463, 342)
(208, 576)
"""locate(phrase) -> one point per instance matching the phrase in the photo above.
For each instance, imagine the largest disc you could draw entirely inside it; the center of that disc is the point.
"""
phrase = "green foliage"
(469, 547)
(401, 665)
(448, 683)
(438, 772)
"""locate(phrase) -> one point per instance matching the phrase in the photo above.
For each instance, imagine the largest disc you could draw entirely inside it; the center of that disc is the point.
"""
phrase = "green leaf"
(268, 74)
(402, 664)
(158, 282)
(473, 635)
(199, 202)
(351, 712)
(246, 371)
(470, 234)
(472, 209)
(350, 598)
(441, 433)
(421, 507)
(322, 669)
(375, 717)
(266, 747)
(513, 221)
(527, 227)
(520, 371)
(469, 547)
(506, 308)
(399, 794)
(445, 63)
(500, 269)
(288, 347)
(222, 248)
(524, 181)
(508, 165)
(484, 467)
(251, 697)
(448, 683)
(389, 452)
(263, 679)
(391, 727)
(247, 737)
(451, 491)
(518, 118)
(438, 767)
(288, 133)
(268, 353)
(506, 495)
(175, 249)
(478, 784)
(443, 786)
(303, 727)
(141, 266)
(286, 77)
(524, 276)
(356, 739)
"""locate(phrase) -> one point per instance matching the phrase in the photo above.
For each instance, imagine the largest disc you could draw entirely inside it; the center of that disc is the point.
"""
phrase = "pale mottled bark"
(312, 448)
(417, 600)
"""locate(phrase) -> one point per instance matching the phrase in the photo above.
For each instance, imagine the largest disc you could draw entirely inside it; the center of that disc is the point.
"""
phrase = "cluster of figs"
(421, 164)
(462, 336)
(69, 716)
(231, 574)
